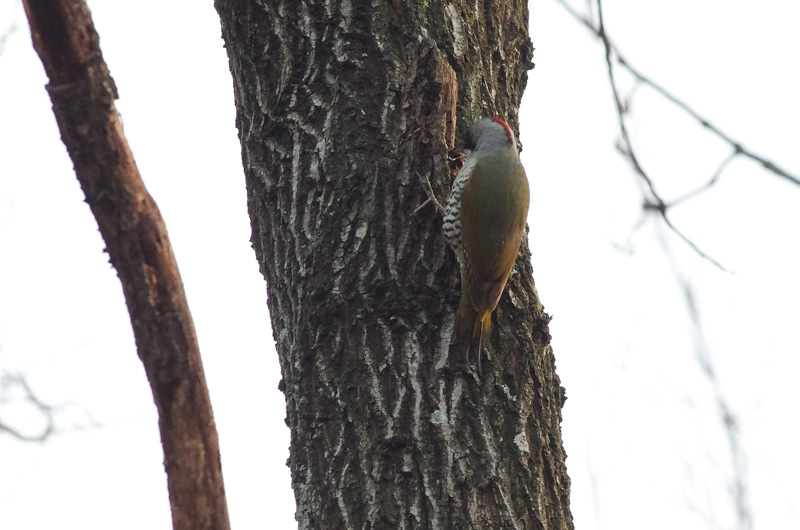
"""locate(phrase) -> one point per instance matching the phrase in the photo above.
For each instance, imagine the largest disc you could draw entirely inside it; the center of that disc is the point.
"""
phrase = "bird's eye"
(469, 142)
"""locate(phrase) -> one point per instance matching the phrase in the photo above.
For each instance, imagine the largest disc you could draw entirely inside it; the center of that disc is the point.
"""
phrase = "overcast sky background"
(645, 444)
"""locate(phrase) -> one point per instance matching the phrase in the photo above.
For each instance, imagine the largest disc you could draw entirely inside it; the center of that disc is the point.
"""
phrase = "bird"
(484, 222)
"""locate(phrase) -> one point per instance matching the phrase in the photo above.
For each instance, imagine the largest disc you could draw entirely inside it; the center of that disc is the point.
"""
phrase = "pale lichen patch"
(457, 28)
(521, 441)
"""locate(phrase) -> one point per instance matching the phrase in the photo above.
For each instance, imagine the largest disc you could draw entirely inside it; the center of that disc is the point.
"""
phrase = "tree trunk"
(341, 107)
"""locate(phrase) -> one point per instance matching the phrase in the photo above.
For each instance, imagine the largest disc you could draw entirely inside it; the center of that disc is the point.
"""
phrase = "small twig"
(9, 380)
(739, 148)
(431, 196)
(600, 33)
(24, 437)
(421, 206)
(627, 247)
(708, 184)
(692, 245)
(657, 204)
(52, 414)
(6, 34)
(728, 421)
(621, 110)
(12, 28)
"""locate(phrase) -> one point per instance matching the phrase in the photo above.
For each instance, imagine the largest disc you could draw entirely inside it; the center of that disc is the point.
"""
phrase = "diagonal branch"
(83, 94)
(737, 146)
(658, 204)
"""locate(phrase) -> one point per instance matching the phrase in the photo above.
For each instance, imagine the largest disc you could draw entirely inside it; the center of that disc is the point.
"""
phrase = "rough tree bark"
(341, 106)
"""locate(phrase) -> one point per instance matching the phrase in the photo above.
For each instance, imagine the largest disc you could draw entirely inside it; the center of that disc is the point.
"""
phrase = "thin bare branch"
(710, 183)
(52, 415)
(727, 416)
(657, 204)
(6, 34)
(10, 30)
(44, 435)
(728, 422)
(737, 146)
(692, 245)
(9, 380)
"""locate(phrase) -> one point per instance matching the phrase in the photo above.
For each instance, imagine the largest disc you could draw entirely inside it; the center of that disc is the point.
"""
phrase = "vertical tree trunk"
(342, 106)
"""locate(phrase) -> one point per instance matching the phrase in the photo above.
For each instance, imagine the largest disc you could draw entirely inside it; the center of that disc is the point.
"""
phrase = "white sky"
(640, 426)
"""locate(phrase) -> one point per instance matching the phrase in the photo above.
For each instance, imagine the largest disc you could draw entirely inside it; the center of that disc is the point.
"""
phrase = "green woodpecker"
(484, 222)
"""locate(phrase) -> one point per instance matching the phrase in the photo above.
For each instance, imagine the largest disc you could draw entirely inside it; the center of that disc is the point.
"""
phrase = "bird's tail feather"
(472, 330)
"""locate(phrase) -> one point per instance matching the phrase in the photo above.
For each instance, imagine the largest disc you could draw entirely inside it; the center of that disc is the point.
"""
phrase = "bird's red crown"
(505, 125)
